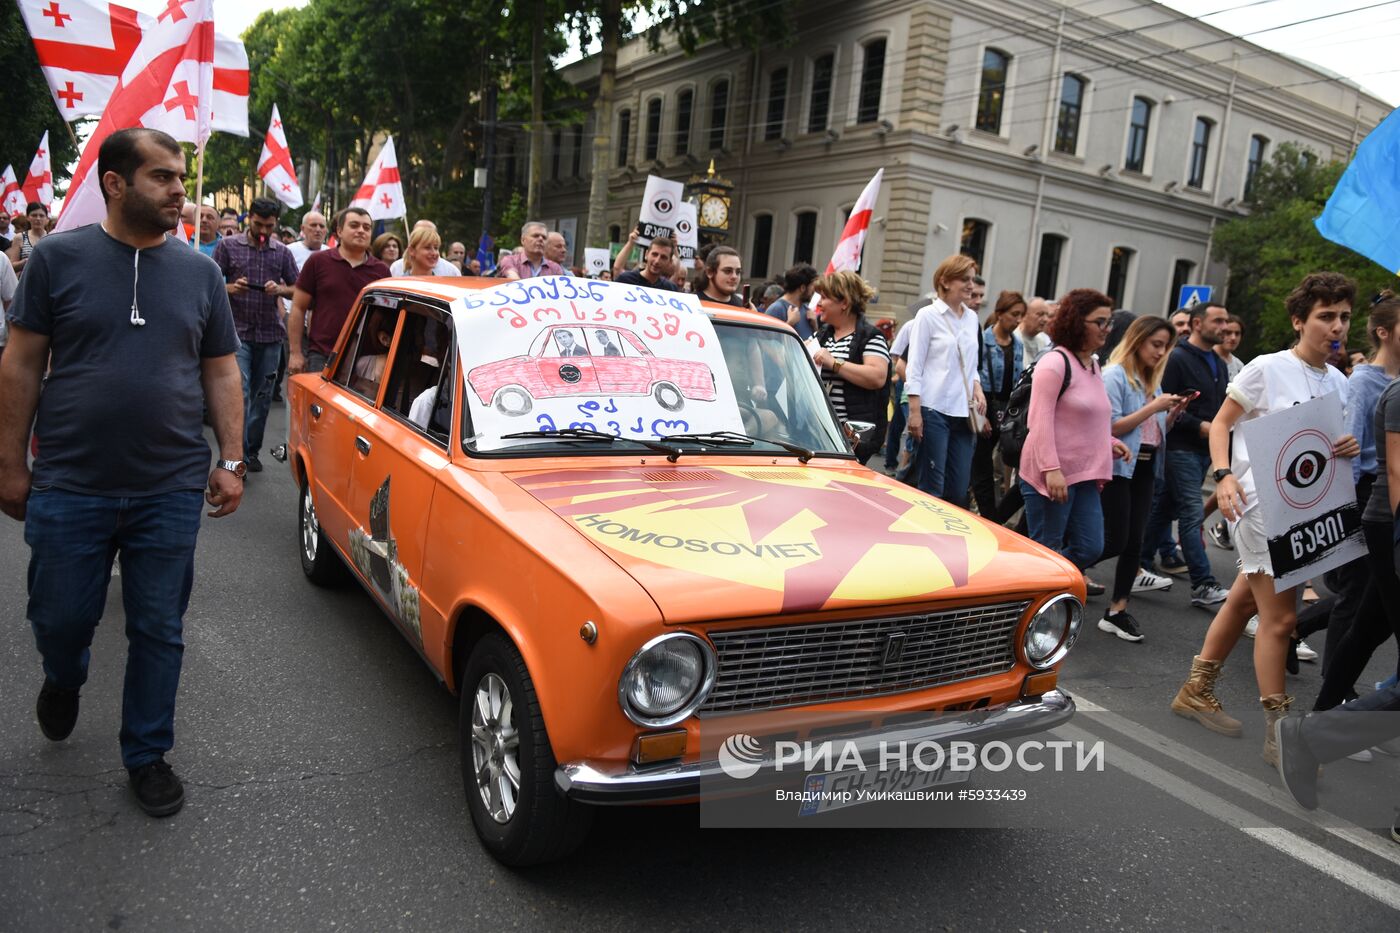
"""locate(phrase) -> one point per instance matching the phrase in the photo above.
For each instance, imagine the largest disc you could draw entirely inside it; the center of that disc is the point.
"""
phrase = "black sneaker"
(254, 464)
(157, 789)
(1122, 625)
(1092, 588)
(1296, 765)
(1290, 662)
(57, 711)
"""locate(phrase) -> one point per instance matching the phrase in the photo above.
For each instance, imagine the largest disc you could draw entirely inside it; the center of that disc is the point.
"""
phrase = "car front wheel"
(318, 559)
(513, 400)
(508, 765)
(669, 397)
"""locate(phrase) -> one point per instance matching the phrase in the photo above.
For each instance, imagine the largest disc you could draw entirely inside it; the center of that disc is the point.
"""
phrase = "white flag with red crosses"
(167, 85)
(38, 184)
(846, 257)
(11, 198)
(382, 192)
(275, 165)
(84, 46)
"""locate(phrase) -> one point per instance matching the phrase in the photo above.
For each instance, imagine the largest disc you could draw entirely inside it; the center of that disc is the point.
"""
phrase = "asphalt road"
(324, 792)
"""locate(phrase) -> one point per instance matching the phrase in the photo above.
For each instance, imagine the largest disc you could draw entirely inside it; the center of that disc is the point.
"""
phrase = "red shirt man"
(329, 283)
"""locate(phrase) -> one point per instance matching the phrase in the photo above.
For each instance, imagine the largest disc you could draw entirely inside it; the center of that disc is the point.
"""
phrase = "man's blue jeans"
(1185, 472)
(73, 538)
(946, 457)
(1073, 528)
(258, 364)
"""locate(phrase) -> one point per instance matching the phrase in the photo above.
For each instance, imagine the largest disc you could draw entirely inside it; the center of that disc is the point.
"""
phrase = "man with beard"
(656, 267)
(139, 331)
(329, 284)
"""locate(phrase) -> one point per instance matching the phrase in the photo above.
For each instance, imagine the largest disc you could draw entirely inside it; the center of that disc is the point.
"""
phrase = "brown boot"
(1276, 707)
(1196, 699)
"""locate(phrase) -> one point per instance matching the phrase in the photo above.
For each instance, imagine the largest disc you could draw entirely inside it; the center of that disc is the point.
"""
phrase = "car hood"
(731, 541)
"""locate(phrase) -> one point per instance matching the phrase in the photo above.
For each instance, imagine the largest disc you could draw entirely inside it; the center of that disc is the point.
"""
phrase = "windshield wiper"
(584, 434)
(736, 439)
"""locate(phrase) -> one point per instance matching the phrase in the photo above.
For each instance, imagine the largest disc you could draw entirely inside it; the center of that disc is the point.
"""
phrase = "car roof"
(450, 288)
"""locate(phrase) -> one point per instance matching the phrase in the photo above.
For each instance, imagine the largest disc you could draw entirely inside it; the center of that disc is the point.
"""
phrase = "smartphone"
(747, 288)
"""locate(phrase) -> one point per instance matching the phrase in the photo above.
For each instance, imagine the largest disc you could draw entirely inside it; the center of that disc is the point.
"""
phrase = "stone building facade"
(1060, 148)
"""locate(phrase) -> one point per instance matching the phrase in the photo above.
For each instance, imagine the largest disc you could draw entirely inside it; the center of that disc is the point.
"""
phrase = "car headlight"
(1053, 630)
(667, 679)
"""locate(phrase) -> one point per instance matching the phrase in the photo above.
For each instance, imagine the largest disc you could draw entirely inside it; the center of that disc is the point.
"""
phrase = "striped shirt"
(840, 349)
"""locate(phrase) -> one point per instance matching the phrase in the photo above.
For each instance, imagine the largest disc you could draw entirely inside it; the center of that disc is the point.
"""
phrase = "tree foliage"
(29, 109)
(1276, 245)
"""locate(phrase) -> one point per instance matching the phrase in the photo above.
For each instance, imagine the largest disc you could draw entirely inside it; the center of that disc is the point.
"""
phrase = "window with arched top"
(761, 246)
(819, 104)
(974, 240)
(1200, 152)
(624, 136)
(1258, 147)
(685, 105)
(991, 98)
(719, 114)
(777, 103)
(652, 147)
(872, 81)
(1047, 268)
(1139, 128)
(804, 242)
(1120, 267)
(1072, 89)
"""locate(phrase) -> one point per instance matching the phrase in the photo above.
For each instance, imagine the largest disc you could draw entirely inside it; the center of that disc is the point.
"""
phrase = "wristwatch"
(1218, 475)
(836, 365)
(236, 467)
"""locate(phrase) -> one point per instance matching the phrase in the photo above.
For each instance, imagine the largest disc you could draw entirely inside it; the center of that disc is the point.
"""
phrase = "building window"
(1200, 153)
(578, 150)
(719, 114)
(974, 240)
(1136, 158)
(993, 94)
(819, 110)
(558, 144)
(685, 103)
(762, 241)
(1120, 265)
(777, 103)
(624, 136)
(1182, 272)
(1047, 271)
(805, 242)
(1258, 145)
(653, 138)
(872, 79)
(614, 234)
(1071, 107)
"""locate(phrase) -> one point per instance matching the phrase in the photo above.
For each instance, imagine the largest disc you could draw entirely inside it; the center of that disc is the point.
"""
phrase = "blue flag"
(1363, 213)
(486, 254)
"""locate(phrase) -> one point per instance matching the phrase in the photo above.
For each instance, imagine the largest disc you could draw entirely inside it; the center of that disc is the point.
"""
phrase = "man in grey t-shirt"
(139, 331)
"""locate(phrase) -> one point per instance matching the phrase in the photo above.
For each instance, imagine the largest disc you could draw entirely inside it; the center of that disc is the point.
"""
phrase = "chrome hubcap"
(309, 528)
(495, 748)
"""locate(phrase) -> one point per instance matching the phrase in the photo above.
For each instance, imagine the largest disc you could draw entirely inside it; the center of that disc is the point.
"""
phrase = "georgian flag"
(382, 192)
(846, 257)
(275, 165)
(84, 46)
(38, 184)
(11, 198)
(166, 85)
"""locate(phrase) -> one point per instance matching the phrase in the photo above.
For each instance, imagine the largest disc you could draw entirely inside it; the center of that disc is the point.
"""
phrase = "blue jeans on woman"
(945, 456)
(73, 539)
(1073, 528)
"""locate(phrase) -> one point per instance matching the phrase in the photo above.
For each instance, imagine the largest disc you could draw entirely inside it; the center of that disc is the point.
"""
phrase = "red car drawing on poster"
(590, 360)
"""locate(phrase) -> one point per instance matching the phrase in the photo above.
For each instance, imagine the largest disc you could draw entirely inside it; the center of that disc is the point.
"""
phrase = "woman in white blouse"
(942, 383)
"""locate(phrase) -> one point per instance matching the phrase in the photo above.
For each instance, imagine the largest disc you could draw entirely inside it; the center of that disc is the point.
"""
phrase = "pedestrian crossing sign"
(1192, 295)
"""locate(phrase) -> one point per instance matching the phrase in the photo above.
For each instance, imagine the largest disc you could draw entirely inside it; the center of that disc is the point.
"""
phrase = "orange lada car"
(610, 560)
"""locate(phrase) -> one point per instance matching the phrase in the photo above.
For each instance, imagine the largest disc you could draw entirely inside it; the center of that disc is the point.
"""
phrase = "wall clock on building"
(714, 212)
(713, 196)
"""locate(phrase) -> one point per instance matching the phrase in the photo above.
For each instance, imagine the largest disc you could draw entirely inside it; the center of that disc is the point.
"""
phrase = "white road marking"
(1289, 843)
(1270, 794)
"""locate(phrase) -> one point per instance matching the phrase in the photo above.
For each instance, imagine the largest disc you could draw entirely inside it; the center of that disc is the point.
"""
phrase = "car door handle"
(361, 444)
(315, 410)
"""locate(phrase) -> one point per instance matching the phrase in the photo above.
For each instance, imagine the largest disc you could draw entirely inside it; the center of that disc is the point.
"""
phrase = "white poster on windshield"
(555, 353)
(597, 259)
(661, 202)
(687, 234)
(1311, 517)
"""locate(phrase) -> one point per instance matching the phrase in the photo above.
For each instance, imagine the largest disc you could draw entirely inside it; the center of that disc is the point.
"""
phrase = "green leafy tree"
(1276, 245)
(29, 109)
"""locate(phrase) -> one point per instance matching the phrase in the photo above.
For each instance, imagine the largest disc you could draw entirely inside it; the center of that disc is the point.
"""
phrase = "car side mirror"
(858, 432)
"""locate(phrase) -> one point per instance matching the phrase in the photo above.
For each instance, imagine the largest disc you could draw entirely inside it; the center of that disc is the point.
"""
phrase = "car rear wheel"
(319, 561)
(508, 765)
(669, 397)
(513, 400)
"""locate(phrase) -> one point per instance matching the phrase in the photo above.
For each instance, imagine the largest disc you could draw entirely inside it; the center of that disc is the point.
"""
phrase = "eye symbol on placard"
(683, 225)
(1305, 469)
(663, 205)
(570, 373)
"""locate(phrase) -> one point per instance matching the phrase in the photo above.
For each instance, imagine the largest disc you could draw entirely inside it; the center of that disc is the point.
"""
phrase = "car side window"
(419, 381)
(361, 368)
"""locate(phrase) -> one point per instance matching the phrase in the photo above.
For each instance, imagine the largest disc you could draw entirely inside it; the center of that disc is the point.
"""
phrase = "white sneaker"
(1251, 627)
(1363, 755)
(1208, 594)
(1147, 581)
(1305, 653)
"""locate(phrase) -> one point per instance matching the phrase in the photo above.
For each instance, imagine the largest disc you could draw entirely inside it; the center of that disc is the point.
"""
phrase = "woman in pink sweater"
(1070, 446)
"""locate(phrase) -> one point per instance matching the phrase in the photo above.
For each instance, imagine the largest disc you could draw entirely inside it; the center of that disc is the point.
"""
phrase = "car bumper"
(595, 783)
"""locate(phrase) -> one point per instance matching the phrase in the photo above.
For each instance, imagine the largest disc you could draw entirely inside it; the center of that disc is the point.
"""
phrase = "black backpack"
(1014, 418)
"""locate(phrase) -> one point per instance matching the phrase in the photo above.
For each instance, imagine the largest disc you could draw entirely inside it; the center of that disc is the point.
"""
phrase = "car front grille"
(790, 665)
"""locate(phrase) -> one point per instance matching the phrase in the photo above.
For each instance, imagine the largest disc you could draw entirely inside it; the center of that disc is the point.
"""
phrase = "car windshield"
(781, 406)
